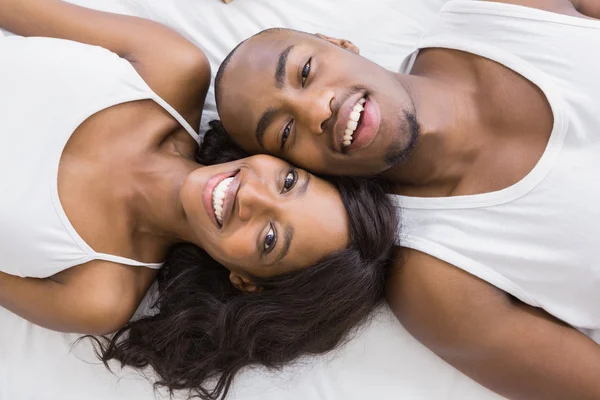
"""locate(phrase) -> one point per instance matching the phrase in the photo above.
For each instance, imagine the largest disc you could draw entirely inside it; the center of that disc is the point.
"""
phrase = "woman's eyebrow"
(289, 232)
(303, 188)
(287, 242)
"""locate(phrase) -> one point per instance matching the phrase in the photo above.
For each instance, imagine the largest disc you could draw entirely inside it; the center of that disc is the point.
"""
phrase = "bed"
(381, 361)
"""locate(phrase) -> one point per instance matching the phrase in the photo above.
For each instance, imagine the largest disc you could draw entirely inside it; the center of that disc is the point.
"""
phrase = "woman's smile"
(219, 196)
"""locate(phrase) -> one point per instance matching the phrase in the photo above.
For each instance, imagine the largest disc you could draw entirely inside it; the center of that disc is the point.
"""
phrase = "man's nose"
(315, 109)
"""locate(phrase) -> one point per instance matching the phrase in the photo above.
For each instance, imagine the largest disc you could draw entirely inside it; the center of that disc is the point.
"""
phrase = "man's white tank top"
(539, 239)
(48, 87)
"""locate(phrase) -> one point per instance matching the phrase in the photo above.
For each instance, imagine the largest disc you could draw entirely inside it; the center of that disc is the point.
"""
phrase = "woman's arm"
(173, 67)
(515, 350)
(94, 299)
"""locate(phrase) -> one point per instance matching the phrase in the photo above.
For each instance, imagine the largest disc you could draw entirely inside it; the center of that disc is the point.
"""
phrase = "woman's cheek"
(237, 249)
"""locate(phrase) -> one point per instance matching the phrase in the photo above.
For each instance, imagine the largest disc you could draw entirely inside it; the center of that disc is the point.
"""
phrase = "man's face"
(315, 104)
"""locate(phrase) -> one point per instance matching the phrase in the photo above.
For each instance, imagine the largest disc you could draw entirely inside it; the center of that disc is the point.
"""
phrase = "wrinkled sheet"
(382, 361)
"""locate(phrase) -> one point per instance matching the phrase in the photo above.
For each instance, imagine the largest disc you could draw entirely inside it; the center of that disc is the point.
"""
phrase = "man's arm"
(172, 66)
(575, 8)
(590, 8)
(515, 350)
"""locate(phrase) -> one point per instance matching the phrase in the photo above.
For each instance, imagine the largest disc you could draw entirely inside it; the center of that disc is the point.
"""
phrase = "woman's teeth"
(219, 197)
(353, 122)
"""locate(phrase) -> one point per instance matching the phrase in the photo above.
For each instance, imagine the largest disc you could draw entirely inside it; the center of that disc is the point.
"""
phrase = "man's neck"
(448, 114)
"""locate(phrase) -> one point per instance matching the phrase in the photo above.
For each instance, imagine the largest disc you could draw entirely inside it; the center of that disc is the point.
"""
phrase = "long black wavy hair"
(205, 330)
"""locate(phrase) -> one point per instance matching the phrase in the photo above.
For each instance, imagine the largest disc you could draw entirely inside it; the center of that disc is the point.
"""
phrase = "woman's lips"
(209, 189)
(229, 200)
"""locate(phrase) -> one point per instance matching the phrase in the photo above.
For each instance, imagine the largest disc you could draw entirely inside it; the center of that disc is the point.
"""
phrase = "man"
(489, 137)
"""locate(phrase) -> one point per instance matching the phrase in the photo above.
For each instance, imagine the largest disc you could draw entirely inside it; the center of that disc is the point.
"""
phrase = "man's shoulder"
(424, 291)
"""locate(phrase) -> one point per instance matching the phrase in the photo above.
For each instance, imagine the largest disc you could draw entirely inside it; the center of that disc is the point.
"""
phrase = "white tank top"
(48, 87)
(539, 239)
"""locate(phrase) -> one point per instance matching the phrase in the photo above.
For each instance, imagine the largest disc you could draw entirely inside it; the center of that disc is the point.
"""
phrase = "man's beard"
(399, 150)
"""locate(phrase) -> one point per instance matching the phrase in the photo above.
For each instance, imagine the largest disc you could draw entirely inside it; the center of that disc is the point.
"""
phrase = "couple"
(485, 139)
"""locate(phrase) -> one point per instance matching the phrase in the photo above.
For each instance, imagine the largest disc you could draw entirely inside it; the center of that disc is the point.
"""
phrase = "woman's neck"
(154, 202)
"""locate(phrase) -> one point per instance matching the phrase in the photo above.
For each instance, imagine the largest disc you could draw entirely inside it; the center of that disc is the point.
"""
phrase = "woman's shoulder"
(106, 293)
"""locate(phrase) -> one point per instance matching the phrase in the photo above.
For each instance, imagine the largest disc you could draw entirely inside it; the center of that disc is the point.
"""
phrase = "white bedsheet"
(382, 362)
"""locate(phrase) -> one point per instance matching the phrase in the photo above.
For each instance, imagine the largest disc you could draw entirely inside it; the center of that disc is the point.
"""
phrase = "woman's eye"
(286, 134)
(270, 240)
(290, 180)
(306, 72)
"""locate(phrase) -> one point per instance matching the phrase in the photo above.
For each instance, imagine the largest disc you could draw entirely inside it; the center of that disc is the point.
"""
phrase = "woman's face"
(262, 217)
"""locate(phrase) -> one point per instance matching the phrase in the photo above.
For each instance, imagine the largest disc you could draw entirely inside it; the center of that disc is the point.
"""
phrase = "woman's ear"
(243, 284)
(343, 43)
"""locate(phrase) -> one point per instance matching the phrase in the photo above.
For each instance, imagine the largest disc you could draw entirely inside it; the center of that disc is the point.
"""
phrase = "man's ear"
(243, 284)
(343, 43)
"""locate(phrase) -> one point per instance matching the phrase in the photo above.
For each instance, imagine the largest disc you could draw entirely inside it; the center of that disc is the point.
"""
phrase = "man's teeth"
(353, 122)
(219, 197)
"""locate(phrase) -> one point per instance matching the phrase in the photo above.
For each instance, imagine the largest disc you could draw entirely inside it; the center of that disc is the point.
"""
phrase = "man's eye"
(290, 180)
(286, 134)
(306, 72)
(270, 240)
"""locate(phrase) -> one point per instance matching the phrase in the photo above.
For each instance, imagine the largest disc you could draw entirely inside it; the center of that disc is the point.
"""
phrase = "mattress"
(380, 361)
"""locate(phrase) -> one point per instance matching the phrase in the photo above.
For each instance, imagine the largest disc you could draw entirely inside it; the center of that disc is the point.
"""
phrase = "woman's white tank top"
(48, 87)
(538, 240)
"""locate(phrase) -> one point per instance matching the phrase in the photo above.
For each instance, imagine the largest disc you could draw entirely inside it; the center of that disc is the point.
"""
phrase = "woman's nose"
(254, 199)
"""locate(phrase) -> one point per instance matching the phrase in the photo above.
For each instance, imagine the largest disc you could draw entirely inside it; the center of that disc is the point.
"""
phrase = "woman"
(103, 184)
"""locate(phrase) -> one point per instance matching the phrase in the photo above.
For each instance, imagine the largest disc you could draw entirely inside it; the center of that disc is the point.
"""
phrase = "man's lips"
(342, 120)
(369, 126)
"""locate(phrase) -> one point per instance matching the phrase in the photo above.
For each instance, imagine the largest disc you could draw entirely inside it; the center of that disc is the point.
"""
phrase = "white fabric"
(382, 362)
(49, 87)
(537, 239)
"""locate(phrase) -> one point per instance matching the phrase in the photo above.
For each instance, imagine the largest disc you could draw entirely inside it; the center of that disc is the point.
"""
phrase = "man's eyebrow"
(281, 66)
(263, 124)
(268, 116)
(287, 242)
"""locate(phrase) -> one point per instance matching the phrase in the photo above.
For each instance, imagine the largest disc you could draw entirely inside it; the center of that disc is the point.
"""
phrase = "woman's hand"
(518, 351)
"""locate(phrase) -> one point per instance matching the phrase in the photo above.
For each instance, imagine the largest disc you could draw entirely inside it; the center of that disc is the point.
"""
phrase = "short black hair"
(225, 62)
(221, 71)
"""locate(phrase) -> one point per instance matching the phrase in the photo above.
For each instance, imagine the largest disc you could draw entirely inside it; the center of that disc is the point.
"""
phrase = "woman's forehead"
(320, 223)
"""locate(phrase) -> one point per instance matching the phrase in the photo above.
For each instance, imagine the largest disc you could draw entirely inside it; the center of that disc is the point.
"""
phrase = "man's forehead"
(251, 79)
(252, 72)
(262, 51)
